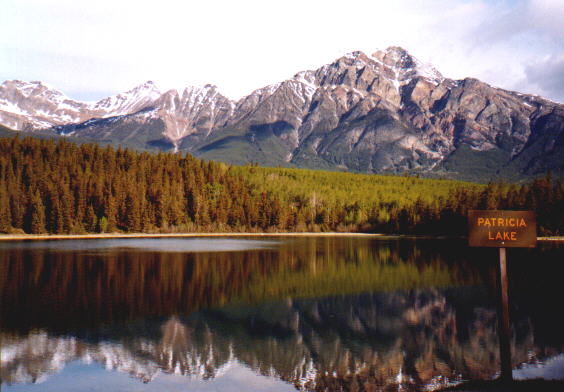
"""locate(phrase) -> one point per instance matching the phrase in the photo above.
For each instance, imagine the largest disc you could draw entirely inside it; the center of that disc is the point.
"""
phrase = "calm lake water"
(278, 314)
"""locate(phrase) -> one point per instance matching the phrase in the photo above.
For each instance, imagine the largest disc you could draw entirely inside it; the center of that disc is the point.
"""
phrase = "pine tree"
(5, 213)
(132, 214)
(37, 214)
(90, 219)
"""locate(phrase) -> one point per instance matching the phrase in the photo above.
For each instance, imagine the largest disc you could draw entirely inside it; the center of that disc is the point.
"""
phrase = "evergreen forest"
(51, 186)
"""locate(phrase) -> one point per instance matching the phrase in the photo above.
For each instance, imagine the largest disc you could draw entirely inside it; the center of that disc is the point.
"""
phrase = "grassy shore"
(25, 237)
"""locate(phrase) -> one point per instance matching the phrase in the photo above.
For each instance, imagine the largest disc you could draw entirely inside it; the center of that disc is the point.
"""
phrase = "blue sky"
(97, 48)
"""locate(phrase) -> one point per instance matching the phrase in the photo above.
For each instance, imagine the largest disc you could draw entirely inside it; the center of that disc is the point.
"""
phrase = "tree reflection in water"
(320, 313)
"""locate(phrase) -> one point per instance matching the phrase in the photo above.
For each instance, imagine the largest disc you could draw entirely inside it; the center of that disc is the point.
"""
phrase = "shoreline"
(27, 237)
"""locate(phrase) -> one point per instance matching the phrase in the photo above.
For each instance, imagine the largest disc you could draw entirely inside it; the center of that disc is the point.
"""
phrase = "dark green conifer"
(37, 214)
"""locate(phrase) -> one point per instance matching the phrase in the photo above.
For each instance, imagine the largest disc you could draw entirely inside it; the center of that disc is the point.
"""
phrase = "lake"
(271, 314)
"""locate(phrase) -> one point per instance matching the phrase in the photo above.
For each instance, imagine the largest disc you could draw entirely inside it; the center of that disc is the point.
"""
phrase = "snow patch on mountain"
(130, 101)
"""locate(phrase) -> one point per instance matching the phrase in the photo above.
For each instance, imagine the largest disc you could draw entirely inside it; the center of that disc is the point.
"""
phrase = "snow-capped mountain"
(34, 105)
(385, 112)
(129, 102)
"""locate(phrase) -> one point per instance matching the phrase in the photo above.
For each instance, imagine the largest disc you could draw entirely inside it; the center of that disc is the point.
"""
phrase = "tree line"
(59, 187)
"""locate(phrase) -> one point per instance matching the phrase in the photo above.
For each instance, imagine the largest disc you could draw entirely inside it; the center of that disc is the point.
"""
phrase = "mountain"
(34, 105)
(381, 113)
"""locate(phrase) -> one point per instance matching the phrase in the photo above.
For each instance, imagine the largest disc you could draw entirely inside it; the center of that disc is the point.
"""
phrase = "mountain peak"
(395, 57)
(205, 88)
(149, 86)
(406, 66)
(33, 88)
(201, 93)
(397, 51)
(394, 62)
(134, 99)
(355, 54)
(356, 57)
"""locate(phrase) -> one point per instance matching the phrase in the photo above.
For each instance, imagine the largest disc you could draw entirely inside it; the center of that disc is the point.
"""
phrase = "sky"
(93, 49)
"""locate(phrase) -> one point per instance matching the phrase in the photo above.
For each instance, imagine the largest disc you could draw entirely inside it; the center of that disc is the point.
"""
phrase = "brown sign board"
(502, 229)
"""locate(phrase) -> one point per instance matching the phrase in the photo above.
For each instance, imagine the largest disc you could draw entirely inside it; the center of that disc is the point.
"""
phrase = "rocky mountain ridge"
(385, 112)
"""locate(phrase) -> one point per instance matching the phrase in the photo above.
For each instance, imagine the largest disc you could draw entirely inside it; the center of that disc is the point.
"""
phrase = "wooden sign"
(502, 229)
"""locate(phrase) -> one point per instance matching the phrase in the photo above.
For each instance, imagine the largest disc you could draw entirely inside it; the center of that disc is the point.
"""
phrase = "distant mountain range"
(380, 113)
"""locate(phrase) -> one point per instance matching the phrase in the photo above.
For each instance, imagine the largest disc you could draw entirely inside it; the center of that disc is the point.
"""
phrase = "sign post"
(503, 320)
(502, 229)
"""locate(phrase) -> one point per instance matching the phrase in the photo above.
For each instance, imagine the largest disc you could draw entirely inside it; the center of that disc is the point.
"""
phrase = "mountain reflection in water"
(319, 313)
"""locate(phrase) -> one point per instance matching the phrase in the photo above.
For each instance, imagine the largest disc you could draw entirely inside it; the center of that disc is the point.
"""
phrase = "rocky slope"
(385, 112)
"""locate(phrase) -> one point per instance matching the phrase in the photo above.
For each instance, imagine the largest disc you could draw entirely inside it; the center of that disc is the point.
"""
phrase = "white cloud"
(108, 46)
(547, 75)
